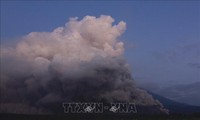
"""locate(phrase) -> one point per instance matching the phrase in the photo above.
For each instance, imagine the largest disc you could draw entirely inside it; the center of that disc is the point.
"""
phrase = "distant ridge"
(176, 107)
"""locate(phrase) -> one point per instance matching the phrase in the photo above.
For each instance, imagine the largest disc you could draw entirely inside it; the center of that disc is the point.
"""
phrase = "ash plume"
(82, 61)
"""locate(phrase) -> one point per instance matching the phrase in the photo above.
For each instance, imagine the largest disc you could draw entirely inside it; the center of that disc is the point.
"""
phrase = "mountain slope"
(183, 93)
(176, 107)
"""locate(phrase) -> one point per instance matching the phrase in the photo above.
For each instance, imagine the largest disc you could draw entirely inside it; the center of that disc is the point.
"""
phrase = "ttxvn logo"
(99, 108)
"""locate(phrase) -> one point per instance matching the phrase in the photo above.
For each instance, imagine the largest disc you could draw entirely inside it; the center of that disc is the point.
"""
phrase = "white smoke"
(81, 61)
(77, 41)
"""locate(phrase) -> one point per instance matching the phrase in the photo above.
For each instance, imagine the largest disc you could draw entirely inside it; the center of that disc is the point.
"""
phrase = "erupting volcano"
(79, 62)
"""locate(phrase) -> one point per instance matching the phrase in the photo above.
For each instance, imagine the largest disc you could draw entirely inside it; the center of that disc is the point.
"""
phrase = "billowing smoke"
(82, 61)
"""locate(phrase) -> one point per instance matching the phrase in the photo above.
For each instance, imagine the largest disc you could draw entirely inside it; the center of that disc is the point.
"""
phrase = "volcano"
(79, 62)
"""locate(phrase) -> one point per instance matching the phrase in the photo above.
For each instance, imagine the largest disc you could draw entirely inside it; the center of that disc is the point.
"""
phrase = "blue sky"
(162, 39)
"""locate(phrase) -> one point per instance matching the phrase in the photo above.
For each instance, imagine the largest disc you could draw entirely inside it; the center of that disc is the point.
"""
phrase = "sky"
(162, 39)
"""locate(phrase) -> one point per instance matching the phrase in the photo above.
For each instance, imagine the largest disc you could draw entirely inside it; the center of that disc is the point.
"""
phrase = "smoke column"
(82, 61)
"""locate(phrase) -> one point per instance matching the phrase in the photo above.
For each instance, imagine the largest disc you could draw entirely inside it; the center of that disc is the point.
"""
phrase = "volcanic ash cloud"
(82, 61)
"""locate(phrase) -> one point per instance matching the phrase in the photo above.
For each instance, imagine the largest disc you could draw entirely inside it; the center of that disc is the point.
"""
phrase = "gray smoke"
(82, 61)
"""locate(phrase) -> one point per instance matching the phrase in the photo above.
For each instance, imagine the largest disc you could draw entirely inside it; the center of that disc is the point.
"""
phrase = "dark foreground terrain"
(99, 117)
(178, 111)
